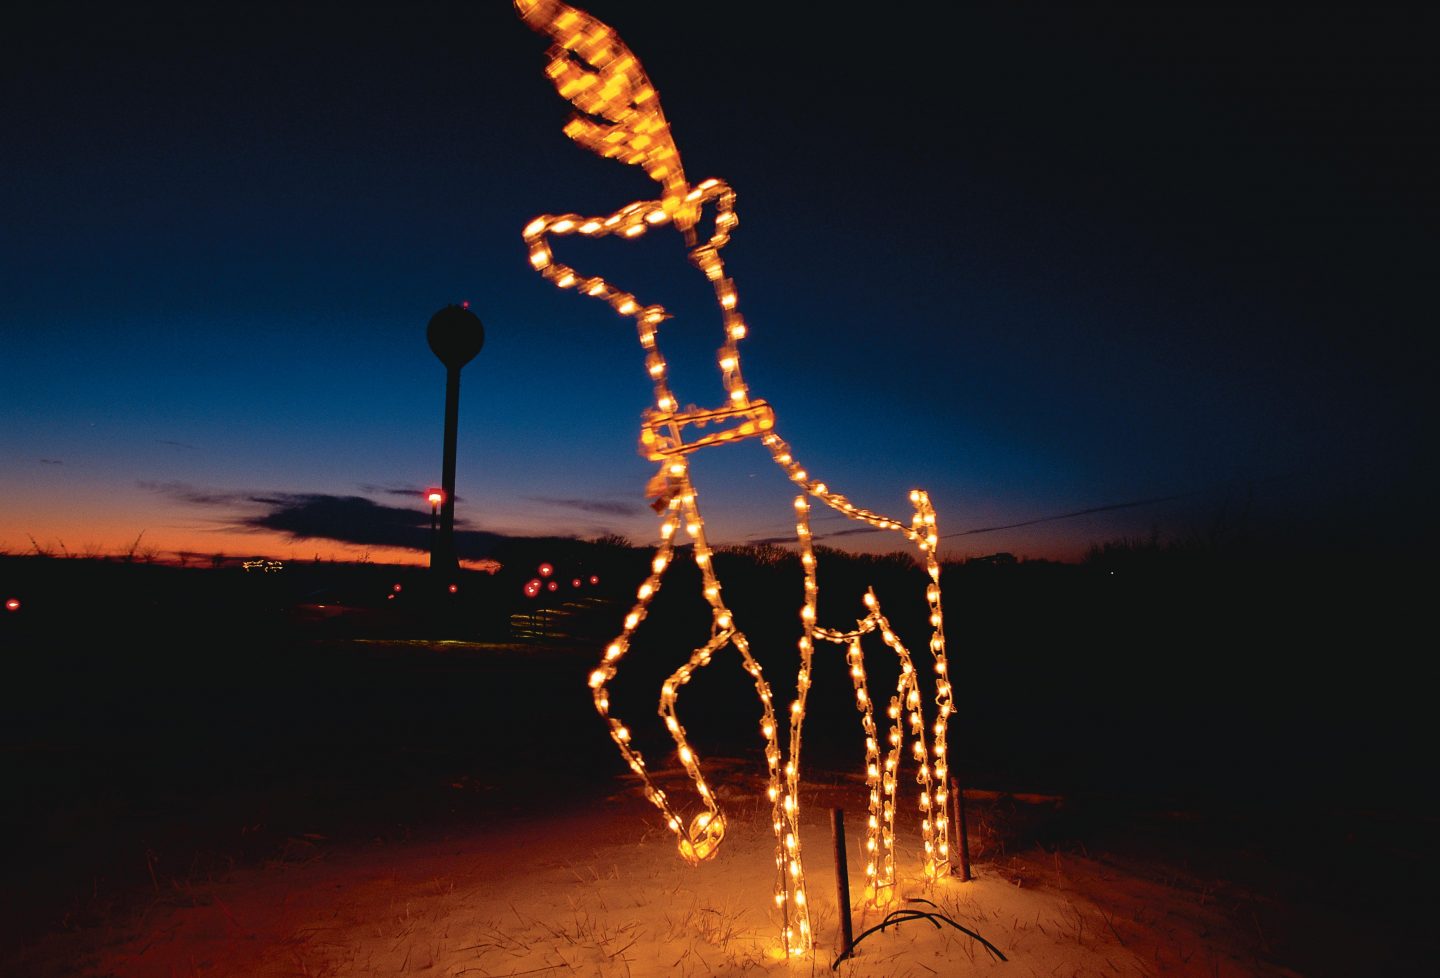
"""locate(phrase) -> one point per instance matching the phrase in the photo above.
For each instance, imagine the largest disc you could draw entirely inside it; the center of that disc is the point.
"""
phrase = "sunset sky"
(1082, 274)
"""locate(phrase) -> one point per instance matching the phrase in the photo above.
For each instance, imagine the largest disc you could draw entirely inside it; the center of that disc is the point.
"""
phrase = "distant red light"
(12, 604)
(594, 578)
(396, 588)
(465, 304)
(552, 586)
(546, 570)
(454, 588)
(575, 583)
(532, 587)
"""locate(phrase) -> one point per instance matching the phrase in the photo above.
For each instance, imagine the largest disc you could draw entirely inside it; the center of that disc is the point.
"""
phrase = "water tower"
(455, 335)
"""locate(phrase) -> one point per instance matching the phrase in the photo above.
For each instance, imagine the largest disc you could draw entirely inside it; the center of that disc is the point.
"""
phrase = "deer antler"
(618, 111)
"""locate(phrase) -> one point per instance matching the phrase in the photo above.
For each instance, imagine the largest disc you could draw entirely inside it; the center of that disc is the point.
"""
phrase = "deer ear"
(618, 111)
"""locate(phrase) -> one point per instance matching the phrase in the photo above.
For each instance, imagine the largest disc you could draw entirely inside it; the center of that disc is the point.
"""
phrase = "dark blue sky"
(1037, 261)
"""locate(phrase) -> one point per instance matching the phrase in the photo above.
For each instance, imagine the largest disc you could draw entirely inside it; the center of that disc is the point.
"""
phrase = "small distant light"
(435, 497)
(546, 570)
(594, 578)
(389, 597)
(454, 588)
(532, 587)
(12, 604)
(575, 583)
(396, 588)
(465, 304)
(552, 586)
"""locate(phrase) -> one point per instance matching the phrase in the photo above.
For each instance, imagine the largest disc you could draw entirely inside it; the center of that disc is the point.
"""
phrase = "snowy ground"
(597, 889)
(342, 810)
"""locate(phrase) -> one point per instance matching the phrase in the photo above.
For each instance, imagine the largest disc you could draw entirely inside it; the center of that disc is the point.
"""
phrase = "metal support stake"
(964, 839)
(842, 880)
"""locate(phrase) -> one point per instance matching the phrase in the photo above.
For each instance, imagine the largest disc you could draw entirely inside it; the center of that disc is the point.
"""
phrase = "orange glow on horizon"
(197, 548)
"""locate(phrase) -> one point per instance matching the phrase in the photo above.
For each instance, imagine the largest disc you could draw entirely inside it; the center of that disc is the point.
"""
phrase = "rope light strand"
(619, 117)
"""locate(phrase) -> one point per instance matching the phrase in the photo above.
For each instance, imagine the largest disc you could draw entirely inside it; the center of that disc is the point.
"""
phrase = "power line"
(1296, 472)
(1065, 516)
(1109, 507)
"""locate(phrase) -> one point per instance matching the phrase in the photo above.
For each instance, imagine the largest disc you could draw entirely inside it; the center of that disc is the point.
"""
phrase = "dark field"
(163, 724)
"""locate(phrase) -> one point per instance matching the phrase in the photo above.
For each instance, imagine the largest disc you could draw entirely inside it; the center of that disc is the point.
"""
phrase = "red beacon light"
(594, 578)
(453, 589)
(575, 583)
(552, 586)
(396, 588)
(12, 604)
(532, 587)
(546, 570)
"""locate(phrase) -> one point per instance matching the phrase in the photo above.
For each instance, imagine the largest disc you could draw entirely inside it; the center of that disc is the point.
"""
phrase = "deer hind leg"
(923, 533)
(927, 538)
(906, 704)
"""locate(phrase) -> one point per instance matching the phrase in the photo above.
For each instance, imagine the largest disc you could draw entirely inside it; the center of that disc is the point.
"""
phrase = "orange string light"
(619, 117)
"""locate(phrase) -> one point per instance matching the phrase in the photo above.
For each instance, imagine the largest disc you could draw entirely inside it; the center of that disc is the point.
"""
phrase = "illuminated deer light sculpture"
(619, 116)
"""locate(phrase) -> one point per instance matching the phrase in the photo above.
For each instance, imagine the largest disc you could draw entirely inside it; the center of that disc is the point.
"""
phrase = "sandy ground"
(597, 889)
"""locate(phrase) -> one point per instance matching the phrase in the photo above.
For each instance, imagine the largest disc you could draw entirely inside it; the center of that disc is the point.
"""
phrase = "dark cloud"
(350, 519)
(176, 444)
(848, 533)
(600, 506)
(782, 541)
(357, 520)
(402, 492)
(186, 493)
(51, 461)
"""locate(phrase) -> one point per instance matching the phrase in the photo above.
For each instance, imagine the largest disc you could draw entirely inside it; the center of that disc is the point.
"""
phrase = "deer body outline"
(619, 116)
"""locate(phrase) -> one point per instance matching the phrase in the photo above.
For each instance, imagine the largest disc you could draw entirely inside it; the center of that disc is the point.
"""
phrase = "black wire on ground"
(896, 917)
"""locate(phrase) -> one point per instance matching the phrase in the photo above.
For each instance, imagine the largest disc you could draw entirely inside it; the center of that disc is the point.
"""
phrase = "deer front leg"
(610, 663)
(700, 837)
(789, 886)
